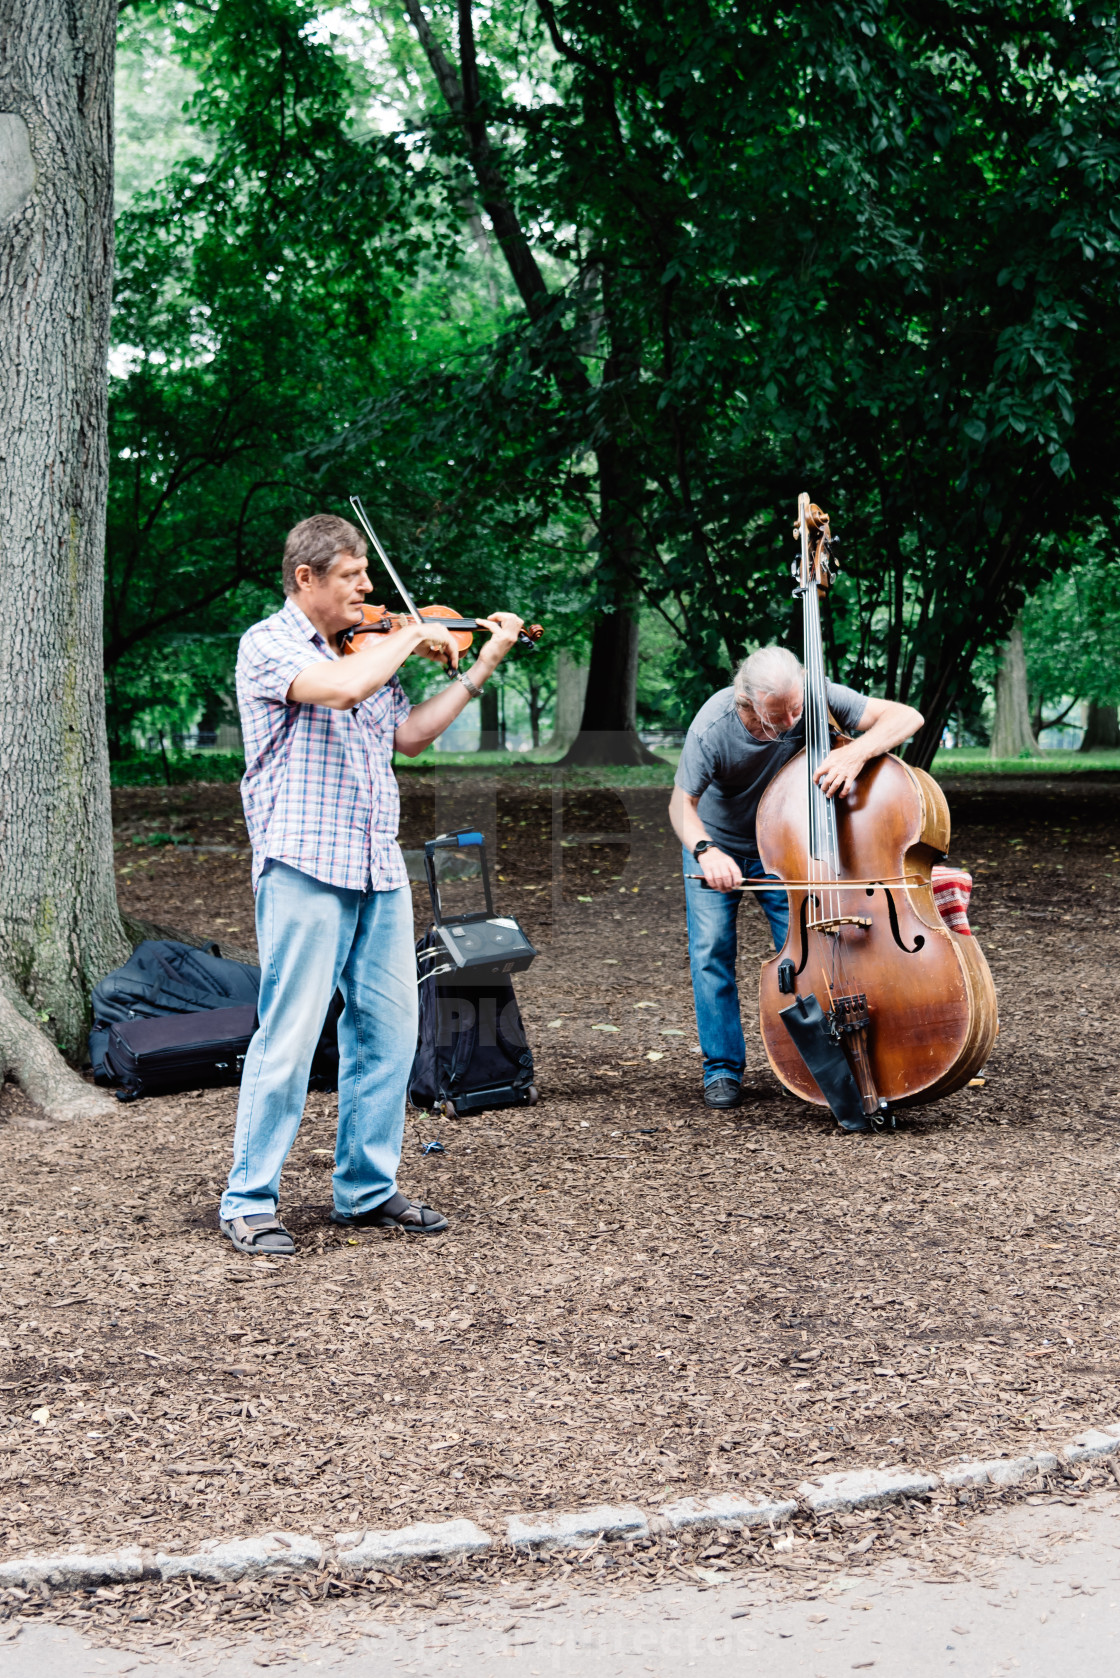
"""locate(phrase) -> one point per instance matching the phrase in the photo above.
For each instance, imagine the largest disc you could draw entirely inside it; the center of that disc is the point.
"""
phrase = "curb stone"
(863, 1489)
(218, 1562)
(1002, 1471)
(578, 1530)
(429, 1539)
(721, 1512)
(380, 1551)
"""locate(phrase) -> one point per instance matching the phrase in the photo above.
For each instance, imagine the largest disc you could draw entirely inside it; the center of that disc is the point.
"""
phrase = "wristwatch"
(703, 845)
(472, 687)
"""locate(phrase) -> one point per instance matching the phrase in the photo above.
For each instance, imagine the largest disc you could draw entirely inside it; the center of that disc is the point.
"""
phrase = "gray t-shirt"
(729, 770)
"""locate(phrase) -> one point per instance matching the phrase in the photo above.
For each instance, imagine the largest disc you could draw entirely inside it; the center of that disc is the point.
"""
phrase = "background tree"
(59, 927)
(1012, 735)
(1071, 637)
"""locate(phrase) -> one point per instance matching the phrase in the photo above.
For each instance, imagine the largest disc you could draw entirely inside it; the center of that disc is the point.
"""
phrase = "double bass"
(872, 1003)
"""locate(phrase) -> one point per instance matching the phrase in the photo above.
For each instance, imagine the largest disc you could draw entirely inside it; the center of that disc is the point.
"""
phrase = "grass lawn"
(183, 767)
(975, 760)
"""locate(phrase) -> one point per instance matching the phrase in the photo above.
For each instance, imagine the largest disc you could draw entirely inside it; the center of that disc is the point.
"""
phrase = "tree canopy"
(588, 291)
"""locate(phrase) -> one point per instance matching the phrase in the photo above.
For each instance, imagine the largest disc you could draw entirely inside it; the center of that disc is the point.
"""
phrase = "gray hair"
(318, 542)
(770, 670)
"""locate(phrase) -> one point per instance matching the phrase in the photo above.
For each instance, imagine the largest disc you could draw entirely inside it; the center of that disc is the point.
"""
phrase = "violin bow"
(363, 520)
(525, 638)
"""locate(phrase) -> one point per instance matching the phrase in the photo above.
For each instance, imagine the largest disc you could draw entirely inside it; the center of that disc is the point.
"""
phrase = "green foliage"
(1071, 635)
(748, 250)
(866, 251)
(153, 769)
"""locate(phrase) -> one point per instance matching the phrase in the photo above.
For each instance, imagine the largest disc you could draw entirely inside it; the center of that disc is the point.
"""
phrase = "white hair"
(769, 671)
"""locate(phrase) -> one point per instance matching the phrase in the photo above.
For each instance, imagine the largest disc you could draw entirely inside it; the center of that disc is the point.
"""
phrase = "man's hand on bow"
(720, 870)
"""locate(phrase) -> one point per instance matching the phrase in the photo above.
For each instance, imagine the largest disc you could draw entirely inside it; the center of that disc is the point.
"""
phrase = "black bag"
(163, 977)
(179, 1051)
(177, 1018)
(471, 1053)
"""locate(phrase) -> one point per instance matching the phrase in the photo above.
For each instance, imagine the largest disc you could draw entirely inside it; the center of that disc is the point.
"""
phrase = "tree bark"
(59, 927)
(1012, 735)
(1102, 728)
(571, 687)
(490, 727)
(610, 661)
(609, 727)
(608, 730)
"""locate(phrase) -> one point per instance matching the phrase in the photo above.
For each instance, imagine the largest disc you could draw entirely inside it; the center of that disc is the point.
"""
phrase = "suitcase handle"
(463, 838)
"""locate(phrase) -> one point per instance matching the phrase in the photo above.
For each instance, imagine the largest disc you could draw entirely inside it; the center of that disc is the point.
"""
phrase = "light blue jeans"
(712, 948)
(314, 939)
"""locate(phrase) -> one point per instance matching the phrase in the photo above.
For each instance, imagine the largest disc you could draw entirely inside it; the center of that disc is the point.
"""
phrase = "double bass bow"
(872, 1002)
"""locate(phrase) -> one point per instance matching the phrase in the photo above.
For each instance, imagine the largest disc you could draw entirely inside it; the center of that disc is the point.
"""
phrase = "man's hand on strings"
(720, 870)
(840, 770)
(504, 629)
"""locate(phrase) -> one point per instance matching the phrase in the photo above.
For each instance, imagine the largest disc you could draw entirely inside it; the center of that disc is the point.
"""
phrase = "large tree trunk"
(490, 722)
(614, 654)
(571, 689)
(59, 926)
(1012, 736)
(1102, 728)
(609, 728)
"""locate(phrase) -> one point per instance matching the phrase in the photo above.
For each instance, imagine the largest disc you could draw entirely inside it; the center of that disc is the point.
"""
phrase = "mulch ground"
(638, 1299)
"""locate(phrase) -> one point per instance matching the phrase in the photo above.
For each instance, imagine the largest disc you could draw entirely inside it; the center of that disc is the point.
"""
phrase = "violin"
(377, 620)
(872, 1002)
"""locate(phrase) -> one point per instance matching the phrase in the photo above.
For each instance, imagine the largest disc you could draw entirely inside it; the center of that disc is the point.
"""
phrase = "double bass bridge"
(834, 922)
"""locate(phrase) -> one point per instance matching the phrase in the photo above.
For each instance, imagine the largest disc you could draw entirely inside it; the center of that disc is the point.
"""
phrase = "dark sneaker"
(722, 1092)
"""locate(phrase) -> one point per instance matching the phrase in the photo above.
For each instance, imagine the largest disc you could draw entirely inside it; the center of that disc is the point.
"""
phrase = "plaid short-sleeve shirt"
(319, 790)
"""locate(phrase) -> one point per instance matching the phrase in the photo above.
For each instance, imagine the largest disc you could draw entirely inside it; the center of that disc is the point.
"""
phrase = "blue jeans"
(314, 939)
(712, 949)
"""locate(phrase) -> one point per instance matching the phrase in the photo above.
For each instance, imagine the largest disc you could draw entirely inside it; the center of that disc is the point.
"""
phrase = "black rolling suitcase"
(179, 1051)
(472, 1054)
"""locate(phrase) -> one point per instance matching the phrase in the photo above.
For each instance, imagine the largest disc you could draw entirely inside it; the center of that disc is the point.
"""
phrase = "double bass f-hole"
(919, 939)
(805, 930)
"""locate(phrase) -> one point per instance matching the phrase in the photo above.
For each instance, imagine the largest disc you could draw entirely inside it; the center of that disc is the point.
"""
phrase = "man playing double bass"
(737, 743)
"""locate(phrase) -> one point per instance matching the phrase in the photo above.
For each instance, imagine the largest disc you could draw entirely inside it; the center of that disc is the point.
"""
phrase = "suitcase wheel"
(534, 1095)
(449, 1110)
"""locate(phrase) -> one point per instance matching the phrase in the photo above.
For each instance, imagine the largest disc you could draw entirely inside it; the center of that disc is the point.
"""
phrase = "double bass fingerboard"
(812, 528)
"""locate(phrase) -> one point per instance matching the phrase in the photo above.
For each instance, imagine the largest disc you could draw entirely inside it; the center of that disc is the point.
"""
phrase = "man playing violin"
(333, 905)
(737, 743)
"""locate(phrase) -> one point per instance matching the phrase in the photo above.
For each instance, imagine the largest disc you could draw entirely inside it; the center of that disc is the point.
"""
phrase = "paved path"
(1051, 1612)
